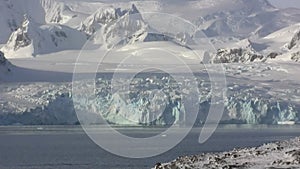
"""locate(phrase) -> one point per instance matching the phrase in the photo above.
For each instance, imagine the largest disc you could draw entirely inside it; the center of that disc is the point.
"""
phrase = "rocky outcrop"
(283, 154)
(295, 41)
(242, 52)
(296, 56)
(237, 55)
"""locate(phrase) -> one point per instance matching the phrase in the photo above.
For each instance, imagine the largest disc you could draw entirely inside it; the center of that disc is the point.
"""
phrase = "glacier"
(259, 41)
(50, 103)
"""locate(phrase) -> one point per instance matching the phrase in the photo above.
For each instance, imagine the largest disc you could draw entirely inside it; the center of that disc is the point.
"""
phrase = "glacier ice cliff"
(49, 103)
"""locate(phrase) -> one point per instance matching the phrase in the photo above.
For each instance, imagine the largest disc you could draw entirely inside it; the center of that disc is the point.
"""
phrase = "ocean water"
(68, 147)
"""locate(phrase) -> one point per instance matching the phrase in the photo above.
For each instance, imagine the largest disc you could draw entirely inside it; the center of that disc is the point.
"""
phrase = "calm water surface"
(68, 147)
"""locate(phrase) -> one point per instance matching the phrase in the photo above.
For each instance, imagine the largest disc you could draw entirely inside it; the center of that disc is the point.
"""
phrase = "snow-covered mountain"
(57, 12)
(33, 38)
(117, 26)
(105, 16)
(239, 19)
(12, 13)
(114, 24)
(280, 45)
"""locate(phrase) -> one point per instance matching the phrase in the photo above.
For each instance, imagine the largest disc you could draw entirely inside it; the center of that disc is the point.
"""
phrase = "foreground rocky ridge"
(284, 154)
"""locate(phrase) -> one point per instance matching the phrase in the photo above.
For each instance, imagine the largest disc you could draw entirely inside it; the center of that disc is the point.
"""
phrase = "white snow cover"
(235, 20)
(33, 39)
(104, 16)
(12, 13)
(285, 154)
(261, 41)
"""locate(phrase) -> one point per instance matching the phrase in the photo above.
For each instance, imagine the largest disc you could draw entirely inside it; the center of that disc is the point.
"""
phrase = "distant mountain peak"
(32, 39)
(105, 16)
(20, 38)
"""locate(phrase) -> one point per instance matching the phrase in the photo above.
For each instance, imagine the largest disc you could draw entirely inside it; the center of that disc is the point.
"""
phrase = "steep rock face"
(295, 41)
(38, 39)
(293, 46)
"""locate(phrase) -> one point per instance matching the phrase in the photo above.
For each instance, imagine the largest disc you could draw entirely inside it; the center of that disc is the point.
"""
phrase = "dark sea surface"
(68, 147)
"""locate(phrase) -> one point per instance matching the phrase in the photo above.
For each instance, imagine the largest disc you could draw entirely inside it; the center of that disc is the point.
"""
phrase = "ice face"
(52, 103)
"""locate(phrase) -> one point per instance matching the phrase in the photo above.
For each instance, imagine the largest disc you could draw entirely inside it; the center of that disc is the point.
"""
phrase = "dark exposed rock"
(294, 40)
(237, 55)
(296, 56)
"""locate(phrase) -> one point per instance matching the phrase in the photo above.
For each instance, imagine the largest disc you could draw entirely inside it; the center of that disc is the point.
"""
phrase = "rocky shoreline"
(285, 154)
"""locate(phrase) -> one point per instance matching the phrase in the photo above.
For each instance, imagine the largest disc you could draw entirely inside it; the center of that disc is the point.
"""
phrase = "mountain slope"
(6, 67)
(282, 44)
(57, 12)
(103, 17)
(235, 20)
(33, 39)
(12, 13)
(294, 47)
(242, 18)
